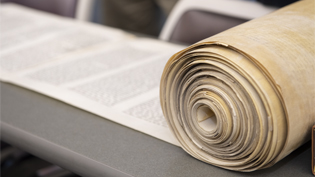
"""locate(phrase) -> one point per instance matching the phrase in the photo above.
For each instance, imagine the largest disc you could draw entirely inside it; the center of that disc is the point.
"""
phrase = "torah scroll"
(244, 99)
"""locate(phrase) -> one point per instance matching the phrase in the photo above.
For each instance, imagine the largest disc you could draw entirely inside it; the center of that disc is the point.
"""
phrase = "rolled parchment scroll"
(245, 98)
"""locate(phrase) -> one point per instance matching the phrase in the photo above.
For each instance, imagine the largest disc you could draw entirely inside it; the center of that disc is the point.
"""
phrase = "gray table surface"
(93, 146)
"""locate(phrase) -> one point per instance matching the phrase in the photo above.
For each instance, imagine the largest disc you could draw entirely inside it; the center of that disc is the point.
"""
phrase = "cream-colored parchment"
(244, 99)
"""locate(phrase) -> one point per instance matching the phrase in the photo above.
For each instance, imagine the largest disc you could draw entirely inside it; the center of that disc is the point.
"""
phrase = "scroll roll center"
(206, 118)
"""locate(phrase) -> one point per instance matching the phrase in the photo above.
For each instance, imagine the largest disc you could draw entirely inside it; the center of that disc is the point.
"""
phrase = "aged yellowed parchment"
(244, 99)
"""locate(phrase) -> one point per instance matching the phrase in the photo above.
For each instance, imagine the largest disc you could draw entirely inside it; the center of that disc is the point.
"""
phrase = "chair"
(79, 9)
(194, 20)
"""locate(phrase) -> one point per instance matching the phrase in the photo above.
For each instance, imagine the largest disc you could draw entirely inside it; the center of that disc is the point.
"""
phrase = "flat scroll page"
(98, 69)
(244, 99)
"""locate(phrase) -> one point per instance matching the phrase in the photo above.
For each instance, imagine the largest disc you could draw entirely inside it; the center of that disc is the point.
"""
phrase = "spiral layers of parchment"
(228, 99)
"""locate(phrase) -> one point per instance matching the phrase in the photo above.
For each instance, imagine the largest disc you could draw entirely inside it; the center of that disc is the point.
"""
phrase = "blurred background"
(18, 163)
(149, 16)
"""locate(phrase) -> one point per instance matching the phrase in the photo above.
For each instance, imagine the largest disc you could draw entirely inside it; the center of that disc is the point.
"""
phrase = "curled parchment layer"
(242, 100)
